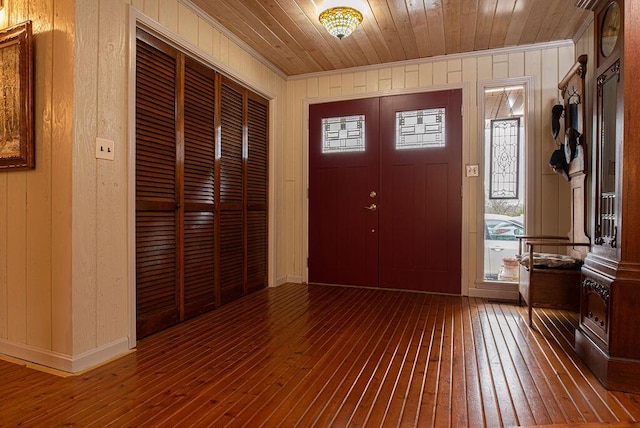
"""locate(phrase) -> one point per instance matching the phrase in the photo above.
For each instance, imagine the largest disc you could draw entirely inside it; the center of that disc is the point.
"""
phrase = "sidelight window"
(504, 196)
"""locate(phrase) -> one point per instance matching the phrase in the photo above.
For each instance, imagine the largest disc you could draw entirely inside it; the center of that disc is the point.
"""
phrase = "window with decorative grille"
(504, 196)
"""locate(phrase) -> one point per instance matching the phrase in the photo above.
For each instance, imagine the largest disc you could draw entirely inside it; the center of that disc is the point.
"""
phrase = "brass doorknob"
(371, 207)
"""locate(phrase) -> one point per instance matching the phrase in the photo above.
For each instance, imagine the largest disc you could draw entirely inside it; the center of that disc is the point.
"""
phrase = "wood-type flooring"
(299, 355)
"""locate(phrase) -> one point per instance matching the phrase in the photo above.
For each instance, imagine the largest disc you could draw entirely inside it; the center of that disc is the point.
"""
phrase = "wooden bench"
(548, 280)
(542, 285)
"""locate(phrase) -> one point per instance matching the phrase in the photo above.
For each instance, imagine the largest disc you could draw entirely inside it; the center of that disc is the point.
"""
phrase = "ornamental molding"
(591, 286)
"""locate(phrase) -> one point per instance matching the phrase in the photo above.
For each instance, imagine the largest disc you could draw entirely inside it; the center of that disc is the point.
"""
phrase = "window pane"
(420, 129)
(343, 134)
(504, 129)
(504, 166)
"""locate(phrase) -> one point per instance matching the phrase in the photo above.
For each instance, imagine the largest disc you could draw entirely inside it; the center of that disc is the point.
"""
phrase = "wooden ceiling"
(288, 34)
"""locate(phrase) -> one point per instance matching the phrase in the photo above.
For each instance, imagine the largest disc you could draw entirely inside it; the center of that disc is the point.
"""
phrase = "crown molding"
(235, 39)
(418, 61)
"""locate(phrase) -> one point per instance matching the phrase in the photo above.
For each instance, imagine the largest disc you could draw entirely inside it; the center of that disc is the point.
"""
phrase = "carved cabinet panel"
(594, 311)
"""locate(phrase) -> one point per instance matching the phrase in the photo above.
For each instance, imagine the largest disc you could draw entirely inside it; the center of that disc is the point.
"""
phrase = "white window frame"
(501, 289)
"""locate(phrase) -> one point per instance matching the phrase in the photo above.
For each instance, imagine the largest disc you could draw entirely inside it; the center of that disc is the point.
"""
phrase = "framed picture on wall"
(16, 98)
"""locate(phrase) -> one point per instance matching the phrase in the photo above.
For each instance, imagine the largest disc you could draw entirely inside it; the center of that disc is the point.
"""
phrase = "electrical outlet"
(472, 170)
(105, 149)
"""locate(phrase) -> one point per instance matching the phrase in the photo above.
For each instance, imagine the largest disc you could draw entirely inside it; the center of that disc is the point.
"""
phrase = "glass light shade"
(340, 21)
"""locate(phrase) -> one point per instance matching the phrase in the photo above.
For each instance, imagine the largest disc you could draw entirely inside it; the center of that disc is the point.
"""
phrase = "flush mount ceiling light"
(340, 21)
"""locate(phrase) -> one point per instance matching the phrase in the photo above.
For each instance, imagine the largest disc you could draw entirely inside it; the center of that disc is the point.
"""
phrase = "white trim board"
(140, 20)
(65, 362)
(452, 57)
(295, 279)
(235, 39)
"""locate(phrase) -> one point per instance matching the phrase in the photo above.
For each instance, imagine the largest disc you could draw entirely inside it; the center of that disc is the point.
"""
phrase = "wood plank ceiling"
(288, 34)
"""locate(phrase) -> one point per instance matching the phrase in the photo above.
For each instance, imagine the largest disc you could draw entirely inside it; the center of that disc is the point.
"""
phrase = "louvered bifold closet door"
(199, 157)
(201, 187)
(231, 192)
(257, 190)
(157, 297)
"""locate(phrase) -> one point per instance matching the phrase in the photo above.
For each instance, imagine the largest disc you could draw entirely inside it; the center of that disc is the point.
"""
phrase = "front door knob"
(371, 207)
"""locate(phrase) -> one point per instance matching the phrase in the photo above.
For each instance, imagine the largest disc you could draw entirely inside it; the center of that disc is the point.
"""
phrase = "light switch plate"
(105, 149)
(472, 170)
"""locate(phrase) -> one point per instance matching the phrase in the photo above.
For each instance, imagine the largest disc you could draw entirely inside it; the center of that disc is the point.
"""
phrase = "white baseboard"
(65, 362)
(289, 278)
(491, 293)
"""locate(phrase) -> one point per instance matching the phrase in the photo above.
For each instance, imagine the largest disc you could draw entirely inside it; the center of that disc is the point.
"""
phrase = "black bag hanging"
(556, 114)
(558, 162)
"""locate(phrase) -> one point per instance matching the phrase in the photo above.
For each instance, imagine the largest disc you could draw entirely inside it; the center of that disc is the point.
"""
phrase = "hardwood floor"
(329, 356)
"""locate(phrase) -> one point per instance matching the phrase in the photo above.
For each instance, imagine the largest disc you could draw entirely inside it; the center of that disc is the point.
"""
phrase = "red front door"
(421, 192)
(387, 211)
(343, 234)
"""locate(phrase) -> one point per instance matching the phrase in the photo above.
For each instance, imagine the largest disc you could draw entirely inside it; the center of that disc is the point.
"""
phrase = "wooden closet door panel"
(156, 270)
(231, 192)
(157, 297)
(256, 250)
(258, 157)
(199, 127)
(231, 142)
(231, 256)
(199, 265)
(257, 191)
(199, 158)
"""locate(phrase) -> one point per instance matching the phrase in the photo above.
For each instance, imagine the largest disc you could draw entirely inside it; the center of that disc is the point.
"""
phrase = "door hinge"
(307, 193)
(307, 261)
(462, 110)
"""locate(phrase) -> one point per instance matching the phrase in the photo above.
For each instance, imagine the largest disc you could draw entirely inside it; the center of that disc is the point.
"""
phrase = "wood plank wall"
(64, 282)
(35, 205)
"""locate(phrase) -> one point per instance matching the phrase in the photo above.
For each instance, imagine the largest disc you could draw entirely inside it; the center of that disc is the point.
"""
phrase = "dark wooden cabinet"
(607, 337)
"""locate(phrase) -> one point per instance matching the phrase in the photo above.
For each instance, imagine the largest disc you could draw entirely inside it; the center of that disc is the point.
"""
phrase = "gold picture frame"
(16, 98)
